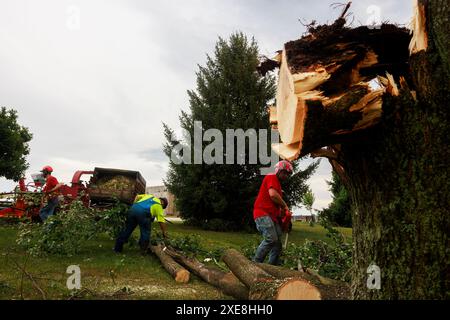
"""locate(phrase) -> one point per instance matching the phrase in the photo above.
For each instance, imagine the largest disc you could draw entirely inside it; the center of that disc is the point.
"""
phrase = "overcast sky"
(93, 80)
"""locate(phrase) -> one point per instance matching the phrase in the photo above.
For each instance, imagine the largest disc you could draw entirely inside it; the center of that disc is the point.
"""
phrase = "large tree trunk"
(396, 169)
(400, 183)
(226, 282)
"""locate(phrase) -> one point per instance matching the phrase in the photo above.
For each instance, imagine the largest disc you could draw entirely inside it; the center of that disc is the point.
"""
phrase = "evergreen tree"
(339, 211)
(230, 94)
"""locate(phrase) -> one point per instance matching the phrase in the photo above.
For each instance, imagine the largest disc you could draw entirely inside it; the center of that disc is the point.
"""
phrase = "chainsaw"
(286, 226)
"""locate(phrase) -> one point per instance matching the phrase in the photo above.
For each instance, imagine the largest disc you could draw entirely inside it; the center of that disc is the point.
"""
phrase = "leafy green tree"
(308, 200)
(339, 212)
(295, 188)
(230, 94)
(13, 145)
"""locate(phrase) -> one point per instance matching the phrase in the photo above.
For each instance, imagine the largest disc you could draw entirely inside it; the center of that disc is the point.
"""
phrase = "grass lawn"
(106, 275)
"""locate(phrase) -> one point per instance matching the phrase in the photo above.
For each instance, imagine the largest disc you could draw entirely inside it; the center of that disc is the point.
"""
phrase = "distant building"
(161, 191)
(304, 218)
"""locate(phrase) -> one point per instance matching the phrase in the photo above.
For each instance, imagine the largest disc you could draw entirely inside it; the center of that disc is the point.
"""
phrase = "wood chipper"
(103, 188)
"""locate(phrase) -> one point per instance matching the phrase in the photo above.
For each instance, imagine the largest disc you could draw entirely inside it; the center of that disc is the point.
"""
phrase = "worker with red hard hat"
(269, 211)
(50, 193)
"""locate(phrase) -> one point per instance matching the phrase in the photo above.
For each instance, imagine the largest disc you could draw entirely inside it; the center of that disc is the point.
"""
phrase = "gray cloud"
(153, 154)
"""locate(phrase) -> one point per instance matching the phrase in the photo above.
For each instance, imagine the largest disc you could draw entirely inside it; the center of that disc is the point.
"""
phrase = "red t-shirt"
(50, 183)
(264, 206)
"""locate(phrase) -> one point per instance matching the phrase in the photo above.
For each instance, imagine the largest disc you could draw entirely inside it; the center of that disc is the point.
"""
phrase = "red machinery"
(27, 199)
(22, 197)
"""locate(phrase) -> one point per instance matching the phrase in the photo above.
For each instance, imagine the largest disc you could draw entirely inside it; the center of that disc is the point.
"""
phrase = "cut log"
(324, 88)
(329, 289)
(284, 289)
(244, 269)
(264, 286)
(180, 274)
(226, 282)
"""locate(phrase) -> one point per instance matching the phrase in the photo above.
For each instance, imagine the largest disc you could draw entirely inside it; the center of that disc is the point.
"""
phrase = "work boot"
(118, 248)
(144, 247)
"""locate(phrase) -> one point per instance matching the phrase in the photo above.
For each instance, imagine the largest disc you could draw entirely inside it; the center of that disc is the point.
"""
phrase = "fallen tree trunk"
(226, 282)
(180, 274)
(264, 286)
(329, 288)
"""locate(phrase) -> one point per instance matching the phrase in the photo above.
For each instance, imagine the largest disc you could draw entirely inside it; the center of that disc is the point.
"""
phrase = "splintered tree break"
(331, 83)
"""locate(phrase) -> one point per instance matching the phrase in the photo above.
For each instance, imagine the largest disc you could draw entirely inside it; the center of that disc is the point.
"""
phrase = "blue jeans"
(271, 244)
(135, 218)
(49, 209)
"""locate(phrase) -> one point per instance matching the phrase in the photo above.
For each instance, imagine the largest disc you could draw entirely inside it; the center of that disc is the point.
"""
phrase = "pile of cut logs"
(252, 281)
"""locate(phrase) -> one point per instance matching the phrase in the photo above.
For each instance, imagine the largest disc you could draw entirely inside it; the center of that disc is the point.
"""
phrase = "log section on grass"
(264, 286)
(180, 274)
(330, 289)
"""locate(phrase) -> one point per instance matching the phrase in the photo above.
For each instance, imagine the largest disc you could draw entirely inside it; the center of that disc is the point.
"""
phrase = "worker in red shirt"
(50, 192)
(269, 208)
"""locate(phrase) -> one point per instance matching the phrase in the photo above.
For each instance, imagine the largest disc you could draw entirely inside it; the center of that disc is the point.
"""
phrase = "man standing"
(50, 192)
(268, 209)
(143, 212)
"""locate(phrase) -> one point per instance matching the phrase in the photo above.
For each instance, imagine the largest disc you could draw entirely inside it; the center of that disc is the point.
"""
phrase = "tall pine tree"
(230, 94)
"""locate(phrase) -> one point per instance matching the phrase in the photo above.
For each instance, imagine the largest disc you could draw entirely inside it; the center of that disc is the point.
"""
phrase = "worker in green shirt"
(145, 210)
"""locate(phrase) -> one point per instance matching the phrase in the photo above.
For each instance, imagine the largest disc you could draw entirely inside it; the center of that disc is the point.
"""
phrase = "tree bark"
(400, 218)
(226, 282)
(398, 175)
(180, 274)
(244, 269)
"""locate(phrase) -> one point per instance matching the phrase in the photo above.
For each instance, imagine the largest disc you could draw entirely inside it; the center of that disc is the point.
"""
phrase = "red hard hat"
(284, 165)
(47, 168)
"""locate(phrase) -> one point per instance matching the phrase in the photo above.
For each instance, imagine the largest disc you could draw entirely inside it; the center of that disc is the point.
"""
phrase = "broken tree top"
(326, 83)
